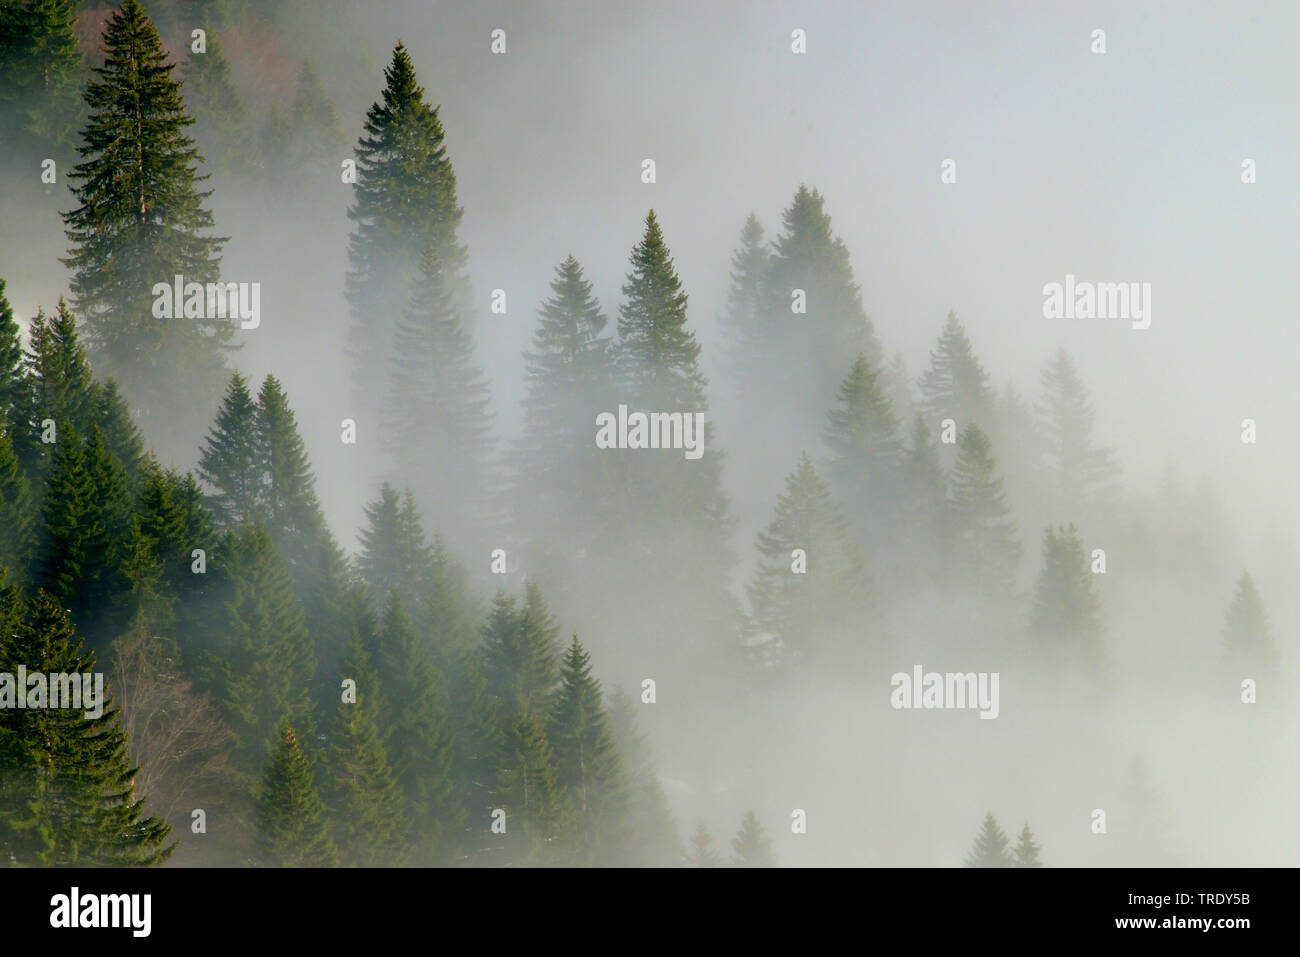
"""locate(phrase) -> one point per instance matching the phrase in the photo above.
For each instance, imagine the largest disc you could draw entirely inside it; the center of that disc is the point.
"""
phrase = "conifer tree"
(703, 853)
(67, 794)
(414, 712)
(991, 848)
(751, 847)
(17, 516)
(569, 379)
(520, 654)
(1080, 473)
(653, 840)
(394, 555)
(140, 219)
(62, 385)
(221, 123)
(808, 256)
(1067, 612)
(587, 760)
(316, 135)
(41, 72)
(898, 387)
(171, 521)
(437, 426)
(955, 386)
(366, 806)
(230, 461)
(745, 323)
(292, 829)
(925, 508)
(539, 816)
(865, 454)
(405, 201)
(984, 537)
(811, 593)
(1026, 852)
(16, 387)
(86, 537)
(1247, 639)
(257, 657)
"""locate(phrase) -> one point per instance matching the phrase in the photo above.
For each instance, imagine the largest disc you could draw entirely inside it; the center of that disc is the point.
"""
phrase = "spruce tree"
(1026, 851)
(808, 256)
(405, 201)
(221, 123)
(230, 461)
(587, 760)
(1081, 474)
(366, 806)
(140, 219)
(925, 502)
(292, 830)
(41, 72)
(1247, 640)
(520, 654)
(67, 793)
(540, 821)
(653, 839)
(744, 325)
(436, 422)
(171, 521)
(415, 715)
(394, 555)
(991, 848)
(955, 386)
(16, 386)
(751, 847)
(63, 388)
(865, 455)
(702, 852)
(17, 516)
(569, 379)
(816, 603)
(984, 537)
(257, 656)
(316, 134)
(1067, 611)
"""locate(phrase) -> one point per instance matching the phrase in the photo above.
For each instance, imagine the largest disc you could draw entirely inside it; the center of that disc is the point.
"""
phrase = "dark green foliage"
(17, 515)
(587, 761)
(539, 816)
(394, 556)
(991, 848)
(405, 201)
(231, 459)
(751, 846)
(291, 824)
(519, 645)
(66, 785)
(140, 219)
(824, 609)
(41, 72)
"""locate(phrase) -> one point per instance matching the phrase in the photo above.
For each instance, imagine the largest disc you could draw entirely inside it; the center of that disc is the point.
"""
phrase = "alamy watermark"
(651, 430)
(55, 690)
(1098, 300)
(214, 300)
(946, 690)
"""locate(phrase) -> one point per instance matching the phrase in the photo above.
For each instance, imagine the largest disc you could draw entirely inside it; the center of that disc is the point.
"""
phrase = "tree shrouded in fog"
(746, 336)
(1026, 853)
(405, 201)
(140, 220)
(811, 594)
(1067, 616)
(1080, 474)
(1247, 640)
(220, 114)
(751, 846)
(955, 386)
(292, 827)
(991, 848)
(984, 543)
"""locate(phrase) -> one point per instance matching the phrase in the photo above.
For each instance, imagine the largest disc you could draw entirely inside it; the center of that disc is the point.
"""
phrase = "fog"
(1122, 166)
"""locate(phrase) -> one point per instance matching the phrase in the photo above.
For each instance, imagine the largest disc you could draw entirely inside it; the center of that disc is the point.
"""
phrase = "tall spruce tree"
(140, 219)
(521, 654)
(1067, 616)
(16, 386)
(62, 384)
(292, 829)
(539, 816)
(751, 846)
(17, 516)
(744, 324)
(587, 761)
(67, 792)
(405, 201)
(811, 594)
(230, 461)
(955, 386)
(394, 555)
(991, 848)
